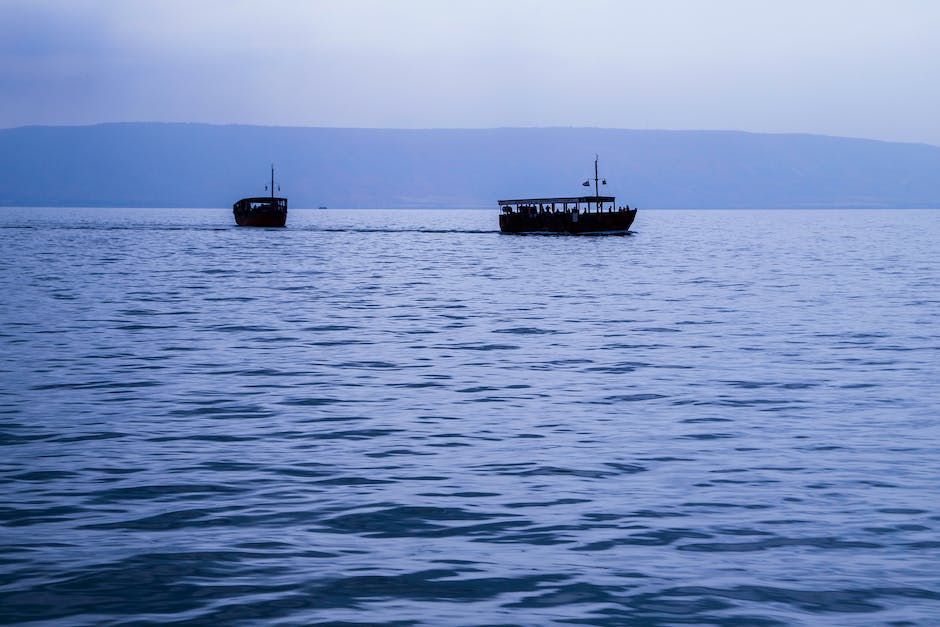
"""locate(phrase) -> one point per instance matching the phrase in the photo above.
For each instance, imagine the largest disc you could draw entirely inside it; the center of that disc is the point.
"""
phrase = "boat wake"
(401, 230)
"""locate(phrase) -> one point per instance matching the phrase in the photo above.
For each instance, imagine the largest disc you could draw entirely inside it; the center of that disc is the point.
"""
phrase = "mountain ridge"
(155, 164)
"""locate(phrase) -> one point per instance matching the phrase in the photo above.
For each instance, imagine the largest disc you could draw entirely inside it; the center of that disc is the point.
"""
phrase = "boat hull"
(273, 219)
(567, 222)
(271, 212)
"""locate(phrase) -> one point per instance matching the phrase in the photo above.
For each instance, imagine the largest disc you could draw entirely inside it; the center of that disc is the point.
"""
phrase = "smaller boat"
(261, 210)
(572, 214)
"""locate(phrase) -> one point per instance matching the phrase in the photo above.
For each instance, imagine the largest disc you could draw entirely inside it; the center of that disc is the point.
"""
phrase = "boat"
(261, 210)
(573, 214)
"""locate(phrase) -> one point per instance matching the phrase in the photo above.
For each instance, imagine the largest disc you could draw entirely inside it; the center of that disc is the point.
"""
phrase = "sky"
(856, 68)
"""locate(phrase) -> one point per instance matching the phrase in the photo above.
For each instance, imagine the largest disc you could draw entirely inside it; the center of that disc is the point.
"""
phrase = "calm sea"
(404, 417)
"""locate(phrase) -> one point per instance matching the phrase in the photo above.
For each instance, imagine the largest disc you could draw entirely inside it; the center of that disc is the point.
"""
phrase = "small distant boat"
(261, 210)
(571, 214)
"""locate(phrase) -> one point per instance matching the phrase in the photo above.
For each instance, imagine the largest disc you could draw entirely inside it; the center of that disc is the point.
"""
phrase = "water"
(396, 417)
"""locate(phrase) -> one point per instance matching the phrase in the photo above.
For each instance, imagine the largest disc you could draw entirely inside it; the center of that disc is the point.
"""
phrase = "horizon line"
(464, 129)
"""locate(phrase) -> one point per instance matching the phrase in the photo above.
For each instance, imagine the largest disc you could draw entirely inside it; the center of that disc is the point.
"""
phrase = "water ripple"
(724, 418)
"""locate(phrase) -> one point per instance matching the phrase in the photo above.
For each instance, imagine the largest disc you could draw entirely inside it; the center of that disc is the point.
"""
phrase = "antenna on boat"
(596, 193)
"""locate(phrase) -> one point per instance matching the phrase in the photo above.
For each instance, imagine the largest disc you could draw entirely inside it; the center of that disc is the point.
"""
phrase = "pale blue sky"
(859, 68)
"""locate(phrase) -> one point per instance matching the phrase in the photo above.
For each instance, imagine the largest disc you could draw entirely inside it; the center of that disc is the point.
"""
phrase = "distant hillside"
(196, 165)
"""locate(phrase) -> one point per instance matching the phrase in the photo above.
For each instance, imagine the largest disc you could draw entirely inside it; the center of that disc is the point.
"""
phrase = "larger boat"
(261, 210)
(573, 214)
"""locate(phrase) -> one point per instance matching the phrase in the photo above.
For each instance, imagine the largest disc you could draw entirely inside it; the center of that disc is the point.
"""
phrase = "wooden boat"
(574, 214)
(261, 210)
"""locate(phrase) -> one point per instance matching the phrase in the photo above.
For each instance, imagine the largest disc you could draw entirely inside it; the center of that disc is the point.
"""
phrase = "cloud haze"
(855, 68)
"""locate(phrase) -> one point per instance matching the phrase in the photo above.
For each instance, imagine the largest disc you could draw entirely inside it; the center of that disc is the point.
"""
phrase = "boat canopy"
(264, 199)
(572, 200)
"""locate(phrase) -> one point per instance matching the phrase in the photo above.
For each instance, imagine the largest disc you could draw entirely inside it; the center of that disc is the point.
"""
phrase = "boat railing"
(572, 205)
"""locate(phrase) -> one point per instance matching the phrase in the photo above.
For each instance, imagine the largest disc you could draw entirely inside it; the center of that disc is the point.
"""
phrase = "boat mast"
(272, 180)
(597, 194)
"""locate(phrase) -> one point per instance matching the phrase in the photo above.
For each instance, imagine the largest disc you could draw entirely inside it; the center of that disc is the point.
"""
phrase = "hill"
(197, 165)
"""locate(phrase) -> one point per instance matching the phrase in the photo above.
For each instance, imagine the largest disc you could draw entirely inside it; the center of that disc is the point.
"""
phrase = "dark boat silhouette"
(572, 214)
(261, 210)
